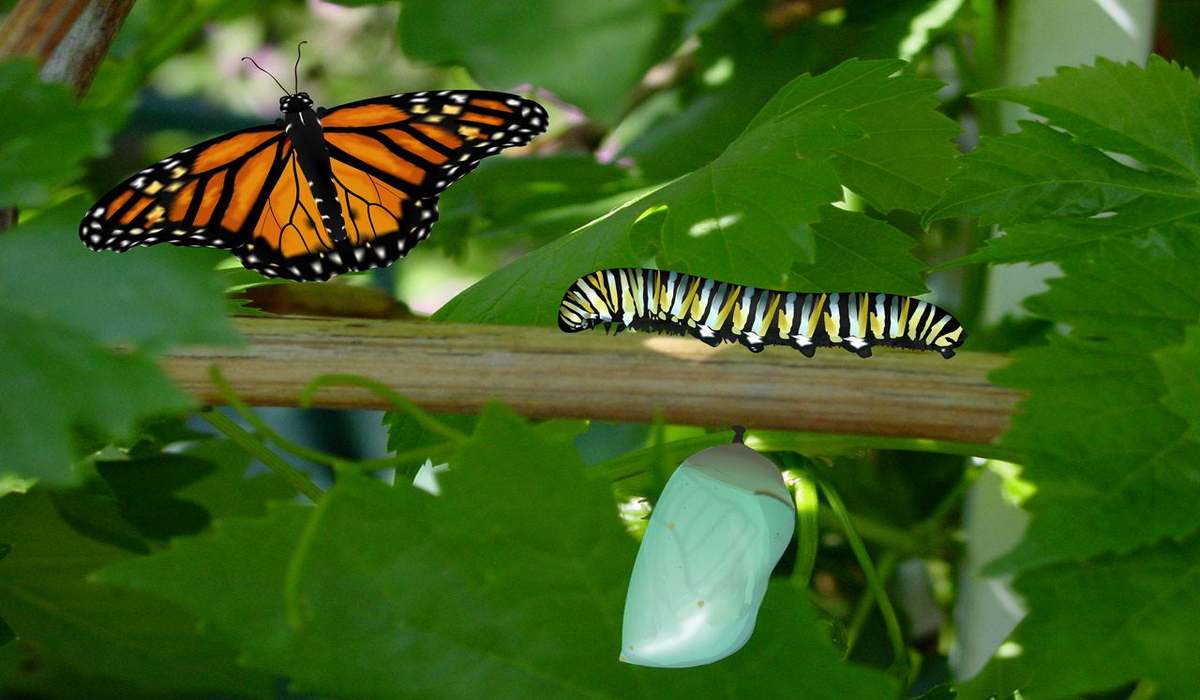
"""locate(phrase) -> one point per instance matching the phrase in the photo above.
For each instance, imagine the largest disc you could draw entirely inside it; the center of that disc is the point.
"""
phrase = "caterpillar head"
(951, 337)
(577, 312)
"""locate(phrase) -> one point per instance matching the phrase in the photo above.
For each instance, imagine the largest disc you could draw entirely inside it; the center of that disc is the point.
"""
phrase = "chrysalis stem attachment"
(739, 434)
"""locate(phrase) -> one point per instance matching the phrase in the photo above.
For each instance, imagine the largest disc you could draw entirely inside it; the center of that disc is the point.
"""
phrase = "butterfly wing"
(390, 158)
(201, 196)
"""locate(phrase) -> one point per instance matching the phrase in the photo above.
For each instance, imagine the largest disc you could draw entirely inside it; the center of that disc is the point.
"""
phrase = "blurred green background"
(114, 581)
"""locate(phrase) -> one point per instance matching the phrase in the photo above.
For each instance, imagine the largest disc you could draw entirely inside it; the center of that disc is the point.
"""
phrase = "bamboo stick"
(543, 373)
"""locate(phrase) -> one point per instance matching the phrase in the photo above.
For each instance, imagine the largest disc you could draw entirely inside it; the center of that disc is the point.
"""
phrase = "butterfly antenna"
(281, 87)
(296, 68)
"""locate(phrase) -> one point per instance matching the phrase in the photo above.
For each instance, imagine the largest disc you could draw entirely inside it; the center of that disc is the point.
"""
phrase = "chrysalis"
(714, 536)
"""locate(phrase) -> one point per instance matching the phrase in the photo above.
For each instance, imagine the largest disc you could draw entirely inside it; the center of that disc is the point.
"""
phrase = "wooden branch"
(543, 373)
(67, 37)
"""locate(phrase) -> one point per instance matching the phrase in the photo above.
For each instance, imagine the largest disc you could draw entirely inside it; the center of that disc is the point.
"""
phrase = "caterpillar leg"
(706, 334)
(804, 344)
(947, 353)
(858, 346)
(752, 341)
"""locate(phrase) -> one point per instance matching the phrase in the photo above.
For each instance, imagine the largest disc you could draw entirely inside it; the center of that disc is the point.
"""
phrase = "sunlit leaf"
(749, 216)
(1101, 625)
(1110, 460)
(1059, 191)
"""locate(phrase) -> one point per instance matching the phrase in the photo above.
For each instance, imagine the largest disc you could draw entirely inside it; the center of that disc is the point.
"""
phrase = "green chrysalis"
(721, 524)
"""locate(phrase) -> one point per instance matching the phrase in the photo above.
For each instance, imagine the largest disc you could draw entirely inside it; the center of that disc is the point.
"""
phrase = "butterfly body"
(320, 192)
(303, 127)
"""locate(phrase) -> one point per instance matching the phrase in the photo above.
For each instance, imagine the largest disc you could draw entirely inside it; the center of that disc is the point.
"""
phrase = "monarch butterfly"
(320, 192)
(716, 312)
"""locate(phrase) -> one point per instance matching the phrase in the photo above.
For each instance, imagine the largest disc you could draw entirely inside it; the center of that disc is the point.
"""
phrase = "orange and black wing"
(206, 195)
(392, 156)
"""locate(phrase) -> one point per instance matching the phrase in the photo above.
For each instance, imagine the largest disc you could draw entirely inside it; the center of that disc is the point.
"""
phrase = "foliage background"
(146, 550)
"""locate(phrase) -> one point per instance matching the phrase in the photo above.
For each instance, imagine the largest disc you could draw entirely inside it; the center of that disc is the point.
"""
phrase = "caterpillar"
(715, 312)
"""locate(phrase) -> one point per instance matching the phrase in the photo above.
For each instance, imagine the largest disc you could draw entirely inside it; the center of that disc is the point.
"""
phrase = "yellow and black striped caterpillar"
(716, 312)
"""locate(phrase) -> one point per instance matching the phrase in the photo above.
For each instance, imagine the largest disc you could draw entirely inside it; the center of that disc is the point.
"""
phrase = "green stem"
(661, 464)
(874, 581)
(879, 533)
(981, 72)
(255, 448)
(631, 467)
(985, 71)
(400, 403)
(862, 609)
(338, 464)
(636, 462)
(804, 493)
(266, 432)
(934, 521)
(826, 443)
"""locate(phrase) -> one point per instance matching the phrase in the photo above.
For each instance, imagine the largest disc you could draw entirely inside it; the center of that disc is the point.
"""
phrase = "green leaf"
(1151, 113)
(44, 135)
(547, 43)
(1041, 173)
(904, 150)
(227, 490)
(1101, 625)
(748, 216)
(6, 633)
(742, 62)
(178, 493)
(1111, 462)
(514, 577)
(853, 250)
(1059, 191)
(61, 307)
(95, 635)
(1178, 364)
(540, 198)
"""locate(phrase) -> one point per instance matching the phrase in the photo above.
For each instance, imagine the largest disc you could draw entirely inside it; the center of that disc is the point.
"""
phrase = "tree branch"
(68, 38)
(544, 373)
